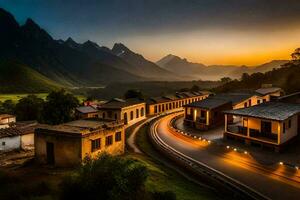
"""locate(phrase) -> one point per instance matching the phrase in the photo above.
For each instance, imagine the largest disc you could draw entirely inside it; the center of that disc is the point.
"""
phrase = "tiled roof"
(121, 103)
(208, 103)
(271, 110)
(265, 91)
(234, 98)
(18, 129)
(86, 109)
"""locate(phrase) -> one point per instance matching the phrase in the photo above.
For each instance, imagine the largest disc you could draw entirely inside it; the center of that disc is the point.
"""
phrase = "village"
(264, 118)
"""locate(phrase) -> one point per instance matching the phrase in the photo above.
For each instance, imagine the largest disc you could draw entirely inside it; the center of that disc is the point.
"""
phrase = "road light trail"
(270, 186)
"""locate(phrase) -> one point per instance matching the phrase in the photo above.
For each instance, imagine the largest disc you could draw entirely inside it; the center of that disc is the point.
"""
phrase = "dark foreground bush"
(110, 178)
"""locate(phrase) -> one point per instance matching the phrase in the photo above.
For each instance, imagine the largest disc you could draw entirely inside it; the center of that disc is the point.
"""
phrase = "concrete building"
(157, 105)
(130, 111)
(6, 120)
(70, 143)
(208, 113)
(271, 124)
(18, 136)
(262, 95)
(84, 112)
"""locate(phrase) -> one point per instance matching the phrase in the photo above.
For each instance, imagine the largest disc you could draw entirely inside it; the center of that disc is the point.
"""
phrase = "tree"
(29, 108)
(226, 79)
(195, 88)
(107, 177)
(133, 94)
(296, 55)
(59, 107)
(245, 76)
(7, 107)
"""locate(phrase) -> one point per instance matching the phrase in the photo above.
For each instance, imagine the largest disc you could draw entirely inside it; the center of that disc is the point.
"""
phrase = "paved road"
(270, 185)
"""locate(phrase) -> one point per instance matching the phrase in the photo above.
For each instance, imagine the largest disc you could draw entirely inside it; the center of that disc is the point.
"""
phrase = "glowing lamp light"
(228, 147)
(245, 152)
(209, 141)
(280, 163)
(235, 149)
(296, 167)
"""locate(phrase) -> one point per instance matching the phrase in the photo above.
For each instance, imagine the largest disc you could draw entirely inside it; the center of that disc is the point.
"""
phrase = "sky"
(240, 32)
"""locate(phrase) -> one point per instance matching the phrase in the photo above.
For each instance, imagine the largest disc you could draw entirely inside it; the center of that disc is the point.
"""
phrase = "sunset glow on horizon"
(249, 32)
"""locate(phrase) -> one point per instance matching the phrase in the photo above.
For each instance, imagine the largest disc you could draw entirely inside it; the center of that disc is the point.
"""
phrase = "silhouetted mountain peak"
(119, 49)
(7, 20)
(34, 31)
(71, 43)
(91, 44)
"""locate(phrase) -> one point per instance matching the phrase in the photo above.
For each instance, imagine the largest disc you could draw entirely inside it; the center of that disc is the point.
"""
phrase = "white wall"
(10, 143)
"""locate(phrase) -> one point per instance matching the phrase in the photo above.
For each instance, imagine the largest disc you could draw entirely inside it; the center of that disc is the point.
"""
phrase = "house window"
(137, 113)
(258, 101)
(118, 136)
(103, 115)
(108, 140)
(155, 109)
(250, 102)
(159, 108)
(163, 107)
(290, 123)
(116, 116)
(170, 106)
(283, 128)
(96, 144)
(3, 143)
(142, 112)
(167, 107)
(264, 100)
(176, 104)
(245, 105)
(131, 115)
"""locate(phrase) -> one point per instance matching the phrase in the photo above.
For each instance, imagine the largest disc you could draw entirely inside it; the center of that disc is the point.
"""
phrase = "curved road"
(268, 184)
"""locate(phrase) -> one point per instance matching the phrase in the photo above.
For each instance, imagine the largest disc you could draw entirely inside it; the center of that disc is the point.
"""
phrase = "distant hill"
(142, 66)
(20, 78)
(212, 72)
(286, 77)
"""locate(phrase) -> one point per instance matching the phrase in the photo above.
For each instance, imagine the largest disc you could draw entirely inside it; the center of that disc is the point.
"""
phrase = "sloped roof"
(86, 109)
(20, 128)
(208, 103)
(234, 98)
(117, 103)
(271, 110)
(269, 90)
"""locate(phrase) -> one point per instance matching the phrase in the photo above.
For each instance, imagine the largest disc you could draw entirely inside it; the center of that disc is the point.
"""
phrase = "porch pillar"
(207, 117)
(225, 123)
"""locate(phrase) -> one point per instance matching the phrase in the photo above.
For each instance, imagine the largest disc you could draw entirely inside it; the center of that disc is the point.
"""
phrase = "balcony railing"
(264, 136)
(237, 129)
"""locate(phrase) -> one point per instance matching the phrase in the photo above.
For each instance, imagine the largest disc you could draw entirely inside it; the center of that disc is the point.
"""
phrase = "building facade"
(84, 112)
(6, 120)
(271, 124)
(158, 105)
(70, 143)
(130, 111)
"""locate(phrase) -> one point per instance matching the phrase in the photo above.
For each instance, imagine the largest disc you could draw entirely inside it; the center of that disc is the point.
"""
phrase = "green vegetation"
(110, 178)
(17, 77)
(286, 77)
(59, 107)
(162, 178)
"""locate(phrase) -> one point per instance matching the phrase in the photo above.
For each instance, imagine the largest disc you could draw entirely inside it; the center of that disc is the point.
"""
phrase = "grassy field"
(17, 97)
(162, 178)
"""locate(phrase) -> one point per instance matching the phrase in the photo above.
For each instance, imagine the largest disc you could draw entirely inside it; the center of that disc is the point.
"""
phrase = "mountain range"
(67, 63)
(212, 72)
